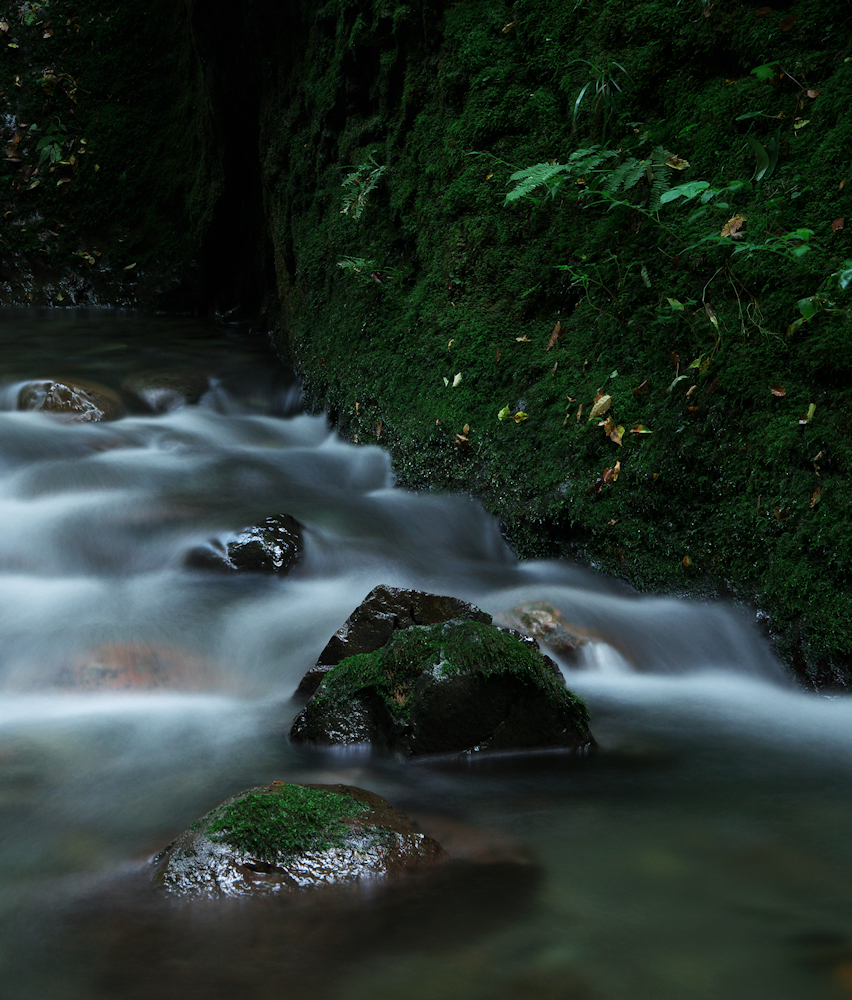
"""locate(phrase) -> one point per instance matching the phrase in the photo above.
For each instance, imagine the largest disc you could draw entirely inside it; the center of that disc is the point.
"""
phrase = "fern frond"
(625, 176)
(660, 177)
(530, 178)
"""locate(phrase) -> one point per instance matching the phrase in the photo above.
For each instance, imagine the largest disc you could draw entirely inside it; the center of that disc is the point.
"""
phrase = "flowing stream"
(703, 853)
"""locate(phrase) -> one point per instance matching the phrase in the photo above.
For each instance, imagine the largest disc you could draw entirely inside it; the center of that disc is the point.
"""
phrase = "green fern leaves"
(599, 171)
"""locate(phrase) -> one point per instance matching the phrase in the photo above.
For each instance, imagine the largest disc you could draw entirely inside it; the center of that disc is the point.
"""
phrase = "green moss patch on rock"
(293, 820)
(447, 688)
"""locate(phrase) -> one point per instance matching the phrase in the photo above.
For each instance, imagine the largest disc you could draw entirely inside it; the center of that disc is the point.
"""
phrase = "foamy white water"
(702, 853)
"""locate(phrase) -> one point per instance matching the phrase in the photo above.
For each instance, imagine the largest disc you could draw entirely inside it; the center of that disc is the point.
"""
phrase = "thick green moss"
(446, 650)
(722, 496)
(285, 821)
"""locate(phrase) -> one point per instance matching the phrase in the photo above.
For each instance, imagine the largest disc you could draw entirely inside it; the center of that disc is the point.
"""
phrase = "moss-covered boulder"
(383, 611)
(282, 838)
(447, 688)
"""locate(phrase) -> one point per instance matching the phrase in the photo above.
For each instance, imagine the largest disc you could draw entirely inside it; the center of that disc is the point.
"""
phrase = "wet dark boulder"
(270, 547)
(383, 611)
(453, 687)
(164, 390)
(73, 402)
(283, 838)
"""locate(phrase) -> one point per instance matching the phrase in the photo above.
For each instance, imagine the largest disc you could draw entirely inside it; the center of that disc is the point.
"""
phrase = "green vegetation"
(444, 650)
(282, 822)
(717, 320)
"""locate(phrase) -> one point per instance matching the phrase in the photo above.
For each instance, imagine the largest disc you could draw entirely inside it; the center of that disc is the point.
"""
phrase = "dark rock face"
(270, 547)
(75, 402)
(280, 838)
(160, 391)
(383, 611)
(457, 686)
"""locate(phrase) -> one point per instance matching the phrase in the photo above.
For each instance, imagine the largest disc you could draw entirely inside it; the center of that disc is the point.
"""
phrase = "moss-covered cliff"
(428, 306)
(349, 161)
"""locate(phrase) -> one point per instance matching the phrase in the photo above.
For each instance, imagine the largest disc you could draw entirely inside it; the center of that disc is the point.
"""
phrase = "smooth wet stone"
(454, 687)
(293, 844)
(75, 402)
(547, 625)
(271, 547)
(164, 390)
(383, 611)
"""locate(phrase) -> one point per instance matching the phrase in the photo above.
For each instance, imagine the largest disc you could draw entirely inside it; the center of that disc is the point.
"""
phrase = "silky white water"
(703, 852)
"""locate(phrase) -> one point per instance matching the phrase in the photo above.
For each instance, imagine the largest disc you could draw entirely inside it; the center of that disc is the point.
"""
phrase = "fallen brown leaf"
(554, 337)
(778, 390)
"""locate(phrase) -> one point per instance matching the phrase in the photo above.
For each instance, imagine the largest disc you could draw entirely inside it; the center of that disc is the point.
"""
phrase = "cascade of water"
(96, 522)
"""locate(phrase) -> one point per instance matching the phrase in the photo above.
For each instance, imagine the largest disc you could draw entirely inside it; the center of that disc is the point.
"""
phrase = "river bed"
(703, 852)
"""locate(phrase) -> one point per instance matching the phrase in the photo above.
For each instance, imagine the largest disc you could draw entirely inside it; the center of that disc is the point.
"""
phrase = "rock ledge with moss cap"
(284, 838)
(453, 687)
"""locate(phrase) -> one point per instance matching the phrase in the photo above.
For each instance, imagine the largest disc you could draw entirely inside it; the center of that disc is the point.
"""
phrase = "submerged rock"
(547, 625)
(135, 666)
(76, 402)
(164, 390)
(283, 838)
(271, 547)
(446, 688)
(383, 611)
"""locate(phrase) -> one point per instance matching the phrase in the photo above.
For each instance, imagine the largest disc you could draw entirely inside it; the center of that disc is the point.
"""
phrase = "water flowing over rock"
(547, 625)
(161, 390)
(137, 667)
(75, 402)
(447, 688)
(383, 611)
(270, 547)
(283, 838)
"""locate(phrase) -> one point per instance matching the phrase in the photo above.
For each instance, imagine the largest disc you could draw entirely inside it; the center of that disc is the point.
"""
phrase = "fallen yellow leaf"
(600, 407)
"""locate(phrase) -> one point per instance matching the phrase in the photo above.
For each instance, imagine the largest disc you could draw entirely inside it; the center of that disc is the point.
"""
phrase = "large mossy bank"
(687, 276)
(428, 320)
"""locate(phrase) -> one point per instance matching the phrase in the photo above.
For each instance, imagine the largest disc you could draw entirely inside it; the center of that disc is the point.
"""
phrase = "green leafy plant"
(605, 88)
(594, 172)
(766, 157)
(368, 270)
(30, 12)
(825, 299)
(49, 146)
(358, 185)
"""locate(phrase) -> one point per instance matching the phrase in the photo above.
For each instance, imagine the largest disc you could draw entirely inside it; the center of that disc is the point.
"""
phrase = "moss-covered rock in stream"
(283, 838)
(448, 688)
(383, 611)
